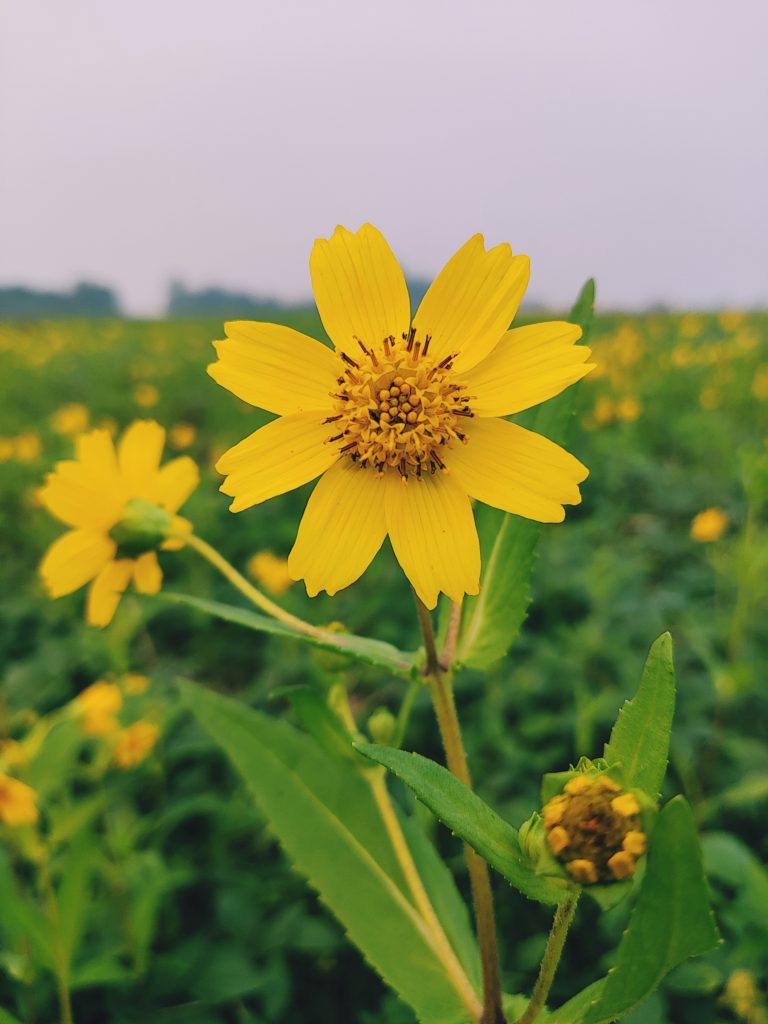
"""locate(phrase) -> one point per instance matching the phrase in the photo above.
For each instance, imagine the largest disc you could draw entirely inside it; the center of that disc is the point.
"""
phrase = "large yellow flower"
(403, 420)
(120, 505)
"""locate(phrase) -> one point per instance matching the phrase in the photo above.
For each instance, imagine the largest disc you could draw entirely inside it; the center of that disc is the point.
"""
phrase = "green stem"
(440, 683)
(552, 954)
(404, 714)
(61, 961)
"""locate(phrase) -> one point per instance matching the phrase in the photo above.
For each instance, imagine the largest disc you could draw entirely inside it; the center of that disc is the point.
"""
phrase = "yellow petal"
(286, 453)
(79, 496)
(175, 482)
(96, 451)
(528, 366)
(342, 529)
(73, 559)
(516, 470)
(433, 535)
(274, 367)
(179, 525)
(147, 574)
(359, 288)
(139, 452)
(106, 590)
(472, 301)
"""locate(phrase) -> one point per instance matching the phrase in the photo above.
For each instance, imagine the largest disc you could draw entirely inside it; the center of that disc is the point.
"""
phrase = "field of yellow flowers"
(133, 867)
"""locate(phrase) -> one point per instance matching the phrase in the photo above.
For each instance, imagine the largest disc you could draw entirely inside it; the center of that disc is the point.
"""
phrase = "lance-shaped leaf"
(470, 818)
(639, 741)
(671, 921)
(327, 821)
(373, 652)
(508, 543)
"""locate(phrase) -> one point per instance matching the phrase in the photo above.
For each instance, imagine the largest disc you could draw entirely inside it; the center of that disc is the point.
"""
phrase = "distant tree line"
(85, 300)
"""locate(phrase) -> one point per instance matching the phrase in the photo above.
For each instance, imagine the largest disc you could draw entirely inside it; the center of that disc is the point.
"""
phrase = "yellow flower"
(27, 447)
(120, 504)
(604, 410)
(146, 395)
(709, 525)
(403, 421)
(135, 684)
(182, 435)
(628, 409)
(760, 382)
(133, 744)
(270, 571)
(99, 704)
(17, 802)
(70, 419)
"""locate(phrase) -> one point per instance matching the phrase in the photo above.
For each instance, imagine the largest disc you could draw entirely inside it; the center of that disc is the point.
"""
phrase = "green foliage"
(326, 820)
(639, 741)
(469, 818)
(508, 544)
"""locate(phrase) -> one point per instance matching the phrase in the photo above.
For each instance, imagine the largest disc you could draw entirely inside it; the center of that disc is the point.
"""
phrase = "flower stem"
(210, 554)
(437, 935)
(552, 954)
(440, 683)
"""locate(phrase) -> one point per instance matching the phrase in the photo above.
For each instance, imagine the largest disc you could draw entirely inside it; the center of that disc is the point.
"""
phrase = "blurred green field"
(186, 908)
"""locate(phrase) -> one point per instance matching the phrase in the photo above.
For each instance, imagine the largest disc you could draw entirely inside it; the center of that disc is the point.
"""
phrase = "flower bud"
(594, 828)
(142, 527)
(382, 726)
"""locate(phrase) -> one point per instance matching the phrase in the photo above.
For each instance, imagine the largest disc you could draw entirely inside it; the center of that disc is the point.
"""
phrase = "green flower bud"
(143, 527)
(382, 726)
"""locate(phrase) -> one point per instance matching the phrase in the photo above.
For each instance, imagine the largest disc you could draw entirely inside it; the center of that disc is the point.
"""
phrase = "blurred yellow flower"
(109, 424)
(27, 447)
(628, 409)
(146, 395)
(604, 410)
(760, 382)
(121, 505)
(12, 753)
(182, 435)
(70, 419)
(99, 704)
(709, 399)
(132, 745)
(414, 427)
(135, 684)
(691, 326)
(731, 319)
(270, 571)
(17, 802)
(709, 525)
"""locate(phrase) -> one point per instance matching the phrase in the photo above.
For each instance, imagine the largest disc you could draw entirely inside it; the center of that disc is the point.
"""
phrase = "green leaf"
(8, 1018)
(468, 817)
(319, 720)
(671, 920)
(639, 741)
(74, 890)
(508, 543)
(327, 821)
(373, 652)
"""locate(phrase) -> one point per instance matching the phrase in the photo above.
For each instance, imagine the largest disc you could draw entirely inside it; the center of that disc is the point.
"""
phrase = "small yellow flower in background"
(760, 382)
(691, 326)
(99, 704)
(12, 754)
(604, 411)
(146, 395)
(403, 421)
(17, 802)
(709, 525)
(121, 505)
(731, 319)
(132, 745)
(70, 419)
(628, 409)
(135, 684)
(270, 571)
(709, 399)
(27, 447)
(182, 435)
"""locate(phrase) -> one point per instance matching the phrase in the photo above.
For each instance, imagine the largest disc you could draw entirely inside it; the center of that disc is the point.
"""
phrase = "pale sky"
(213, 140)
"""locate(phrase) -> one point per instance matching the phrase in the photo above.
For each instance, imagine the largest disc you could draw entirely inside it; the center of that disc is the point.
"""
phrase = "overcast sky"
(213, 140)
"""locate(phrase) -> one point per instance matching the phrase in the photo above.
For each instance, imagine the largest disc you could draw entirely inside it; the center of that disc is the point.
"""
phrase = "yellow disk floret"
(594, 829)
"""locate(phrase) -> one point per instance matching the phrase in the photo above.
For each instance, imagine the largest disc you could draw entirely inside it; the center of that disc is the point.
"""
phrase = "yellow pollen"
(622, 865)
(553, 811)
(578, 784)
(558, 839)
(635, 843)
(397, 407)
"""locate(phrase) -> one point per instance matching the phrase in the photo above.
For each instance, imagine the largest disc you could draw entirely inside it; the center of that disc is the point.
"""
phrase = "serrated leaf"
(671, 921)
(326, 820)
(468, 817)
(639, 741)
(508, 543)
(372, 652)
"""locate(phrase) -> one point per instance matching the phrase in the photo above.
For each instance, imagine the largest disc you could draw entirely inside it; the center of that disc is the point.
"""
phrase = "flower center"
(396, 407)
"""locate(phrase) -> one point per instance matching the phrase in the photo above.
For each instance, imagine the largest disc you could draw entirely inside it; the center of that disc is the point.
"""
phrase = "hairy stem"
(552, 954)
(440, 683)
(421, 899)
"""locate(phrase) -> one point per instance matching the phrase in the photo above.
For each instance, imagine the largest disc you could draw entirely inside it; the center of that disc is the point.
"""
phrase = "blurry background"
(165, 166)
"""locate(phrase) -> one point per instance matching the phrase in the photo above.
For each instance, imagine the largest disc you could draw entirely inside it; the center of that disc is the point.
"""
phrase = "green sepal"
(142, 527)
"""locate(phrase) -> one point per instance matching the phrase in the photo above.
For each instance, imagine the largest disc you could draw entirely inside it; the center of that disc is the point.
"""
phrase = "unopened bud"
(382, 726)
